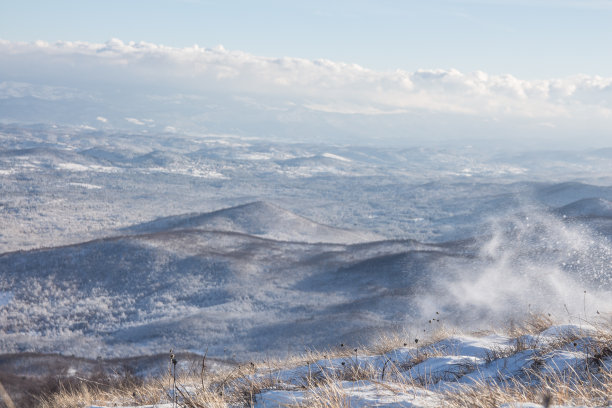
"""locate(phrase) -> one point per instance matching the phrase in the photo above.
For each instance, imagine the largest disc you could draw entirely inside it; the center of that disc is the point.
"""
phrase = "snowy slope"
(262, 219)
(558, 195)
(243, 295)
(433, 375)
(570, 363)
(194, 289)
(425, 193)
(587, 207)
(50, 159)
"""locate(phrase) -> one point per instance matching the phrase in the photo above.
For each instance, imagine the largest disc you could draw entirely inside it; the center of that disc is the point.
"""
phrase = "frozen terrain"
(434, 375)
(117, 245)
(218, 281)
(64, 185)
(568, 365)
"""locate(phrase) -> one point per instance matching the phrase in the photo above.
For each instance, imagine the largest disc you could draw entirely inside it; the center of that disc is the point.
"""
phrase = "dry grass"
(327, 395)
(190, 392)
(77, 393)
(591, 383)
(534, 323)
(568, 388)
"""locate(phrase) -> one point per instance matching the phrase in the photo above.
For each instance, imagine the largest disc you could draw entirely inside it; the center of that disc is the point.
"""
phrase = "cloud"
(317, 85)
(9, 89)
(135, 121)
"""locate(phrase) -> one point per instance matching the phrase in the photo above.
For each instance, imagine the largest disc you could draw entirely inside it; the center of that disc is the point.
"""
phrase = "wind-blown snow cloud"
(320, 85)
(536, 263)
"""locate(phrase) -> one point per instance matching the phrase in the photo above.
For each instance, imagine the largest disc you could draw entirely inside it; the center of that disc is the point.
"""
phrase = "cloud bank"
(74, 69)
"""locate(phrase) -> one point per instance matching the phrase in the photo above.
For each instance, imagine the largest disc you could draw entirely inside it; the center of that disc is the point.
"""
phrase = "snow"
(166, 239)
(86, 186)
(274, 398)
(336, 157)
(256, 156)
(467, 360)
(192, 171)
(532, 405)
(462, 361)
(595, 207)
(5, 298)
(505, 367)
(569, 330)
(357, 394)
(478, 347)
(260, 272)
(382, 190)
(560, 360)
(76, 167)
(446, 368)
(261, 219)
(134, 406)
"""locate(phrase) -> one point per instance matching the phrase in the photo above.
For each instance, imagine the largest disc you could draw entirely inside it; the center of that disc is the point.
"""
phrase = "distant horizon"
(251, 181)
(539, 39)
(366, 72)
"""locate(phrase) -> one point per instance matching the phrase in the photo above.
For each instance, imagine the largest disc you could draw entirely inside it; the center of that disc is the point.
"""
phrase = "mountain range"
(253, 280)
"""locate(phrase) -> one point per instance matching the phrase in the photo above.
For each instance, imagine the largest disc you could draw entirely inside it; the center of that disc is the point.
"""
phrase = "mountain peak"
(261, 219)
(594, 207)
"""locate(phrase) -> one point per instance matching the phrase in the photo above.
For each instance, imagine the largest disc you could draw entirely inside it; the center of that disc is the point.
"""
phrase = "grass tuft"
(320, 378)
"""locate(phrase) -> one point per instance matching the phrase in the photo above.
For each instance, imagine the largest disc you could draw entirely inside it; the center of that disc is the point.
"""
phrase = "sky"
(533, 39)
(488, 67)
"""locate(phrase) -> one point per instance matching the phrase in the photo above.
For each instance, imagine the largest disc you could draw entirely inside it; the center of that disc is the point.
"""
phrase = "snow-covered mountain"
(261, 219)
(209, 281)
(587, 207)
(67, 184)
(194, 288)
(124, 244)
(562, 194)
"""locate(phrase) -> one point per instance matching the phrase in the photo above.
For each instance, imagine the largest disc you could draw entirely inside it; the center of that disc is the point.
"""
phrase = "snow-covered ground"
(257, 279)
(48, 174)
(116, 244)
(439, 373)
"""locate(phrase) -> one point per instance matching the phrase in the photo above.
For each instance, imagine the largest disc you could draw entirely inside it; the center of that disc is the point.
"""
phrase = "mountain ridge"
(261, 219)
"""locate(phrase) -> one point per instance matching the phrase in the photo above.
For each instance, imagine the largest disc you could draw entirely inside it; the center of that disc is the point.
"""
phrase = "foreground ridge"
(536, 364)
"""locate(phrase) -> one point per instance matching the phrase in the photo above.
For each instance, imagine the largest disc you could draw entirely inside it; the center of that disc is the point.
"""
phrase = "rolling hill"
(183, 282)
(261, 219)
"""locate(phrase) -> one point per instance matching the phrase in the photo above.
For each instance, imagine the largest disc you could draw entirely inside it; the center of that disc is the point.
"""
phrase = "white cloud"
(102, 119)
(320, 81)
(135, 121)
(316, 85)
